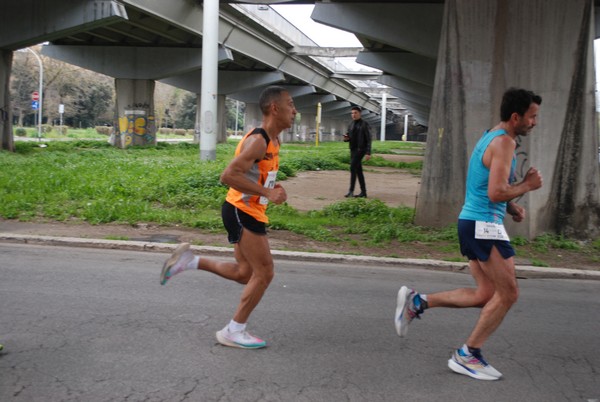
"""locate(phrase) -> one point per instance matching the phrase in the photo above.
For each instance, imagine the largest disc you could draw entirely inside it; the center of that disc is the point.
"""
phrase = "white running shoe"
(239, 339)
(406, 311)
(472, 365)
(176, 263)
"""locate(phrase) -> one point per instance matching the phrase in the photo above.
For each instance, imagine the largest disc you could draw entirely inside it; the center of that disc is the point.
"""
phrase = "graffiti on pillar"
(136, 122)
(440, 136)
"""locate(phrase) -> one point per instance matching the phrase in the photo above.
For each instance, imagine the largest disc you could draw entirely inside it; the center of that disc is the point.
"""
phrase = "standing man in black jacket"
(359, 137)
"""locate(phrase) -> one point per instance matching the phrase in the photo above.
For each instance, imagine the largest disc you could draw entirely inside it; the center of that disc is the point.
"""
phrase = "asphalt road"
(95, 325)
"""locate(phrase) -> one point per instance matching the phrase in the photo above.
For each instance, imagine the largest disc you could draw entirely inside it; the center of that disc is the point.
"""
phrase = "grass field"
(91, 181)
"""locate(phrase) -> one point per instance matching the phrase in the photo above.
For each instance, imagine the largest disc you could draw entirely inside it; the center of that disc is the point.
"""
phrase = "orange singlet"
(263, 172)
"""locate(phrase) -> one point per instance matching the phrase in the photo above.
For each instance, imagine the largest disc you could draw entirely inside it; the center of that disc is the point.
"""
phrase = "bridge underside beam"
(401, 39)
(232, 35)
(312, 100)
(133, 62)
(412, 27)
(40, 21)
(229, 81)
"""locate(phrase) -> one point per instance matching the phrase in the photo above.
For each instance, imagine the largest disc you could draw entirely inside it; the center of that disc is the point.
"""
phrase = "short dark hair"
(357, 108)
(517, 100)
(269, 95)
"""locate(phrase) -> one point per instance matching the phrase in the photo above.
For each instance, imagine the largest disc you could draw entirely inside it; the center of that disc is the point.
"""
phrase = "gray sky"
(323, 35)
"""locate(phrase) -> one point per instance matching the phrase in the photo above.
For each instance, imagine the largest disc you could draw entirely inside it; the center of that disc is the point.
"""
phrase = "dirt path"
(317, 189)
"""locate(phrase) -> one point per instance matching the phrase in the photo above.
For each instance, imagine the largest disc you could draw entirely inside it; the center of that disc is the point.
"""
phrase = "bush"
(165, 130)
(47, 128)
(104, 130)
(179, 131)
(62, 130)
(20, 132)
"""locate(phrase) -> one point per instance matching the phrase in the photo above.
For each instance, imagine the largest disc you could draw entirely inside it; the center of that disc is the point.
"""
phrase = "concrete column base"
(253, 117)
(485, 48)
(135, 123)
(6, 135)
(221, 120)
(197, 125)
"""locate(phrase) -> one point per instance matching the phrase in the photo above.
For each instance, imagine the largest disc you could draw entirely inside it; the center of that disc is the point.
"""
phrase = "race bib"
(269, 183)
(490, 231)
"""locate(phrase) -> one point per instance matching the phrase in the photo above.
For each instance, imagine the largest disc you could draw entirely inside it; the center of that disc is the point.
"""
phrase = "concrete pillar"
(6, 136)
(383, 117)
(287, 135)
(197, 123)
(253, 117)
(342, 126)
(221, 120)
(210, 78)
(485, 48)
(308, 124)
(328, 129)
(135, 113)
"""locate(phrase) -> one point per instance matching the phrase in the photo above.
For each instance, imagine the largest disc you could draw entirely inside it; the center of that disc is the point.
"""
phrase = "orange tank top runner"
(263, 172)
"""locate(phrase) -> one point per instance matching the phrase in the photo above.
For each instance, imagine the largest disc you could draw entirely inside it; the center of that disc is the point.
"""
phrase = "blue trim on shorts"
(235, 220)
(479, 249)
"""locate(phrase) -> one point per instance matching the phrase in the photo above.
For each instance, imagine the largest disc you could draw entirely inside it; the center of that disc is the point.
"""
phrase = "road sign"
(35, 105)
(35, 96)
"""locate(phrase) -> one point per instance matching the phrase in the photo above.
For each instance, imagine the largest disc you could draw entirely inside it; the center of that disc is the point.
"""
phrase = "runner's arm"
(501, 151)
(516, 211)
(234, 175)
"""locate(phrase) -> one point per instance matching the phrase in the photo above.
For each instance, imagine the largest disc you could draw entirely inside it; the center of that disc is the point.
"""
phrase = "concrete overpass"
(448, 62)
(147, 41)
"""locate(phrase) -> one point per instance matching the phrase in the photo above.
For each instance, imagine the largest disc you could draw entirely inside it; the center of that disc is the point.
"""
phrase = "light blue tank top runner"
(477, 206)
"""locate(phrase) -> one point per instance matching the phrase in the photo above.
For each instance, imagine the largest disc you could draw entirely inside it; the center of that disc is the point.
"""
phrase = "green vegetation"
(168, 184)
(68, 133)
(538, 263)
(117, 238)
(91, 181)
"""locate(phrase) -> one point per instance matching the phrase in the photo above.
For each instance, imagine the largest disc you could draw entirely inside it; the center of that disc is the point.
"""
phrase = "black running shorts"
(234, 220)
(480, 249)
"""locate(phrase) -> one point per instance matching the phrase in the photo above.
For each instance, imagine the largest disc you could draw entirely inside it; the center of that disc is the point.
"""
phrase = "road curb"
(523, 271)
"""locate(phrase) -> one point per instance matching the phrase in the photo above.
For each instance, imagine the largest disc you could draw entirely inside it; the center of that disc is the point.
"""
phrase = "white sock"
(423, 297)
(193, 264)
(236, 326)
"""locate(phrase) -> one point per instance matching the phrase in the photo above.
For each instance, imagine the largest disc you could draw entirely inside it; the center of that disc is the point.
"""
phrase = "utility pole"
(40, 90)
(383, 116)
(210, 74)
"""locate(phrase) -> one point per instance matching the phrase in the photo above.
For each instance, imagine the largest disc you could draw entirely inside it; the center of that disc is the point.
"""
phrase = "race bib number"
(490, 231)
(269, 183)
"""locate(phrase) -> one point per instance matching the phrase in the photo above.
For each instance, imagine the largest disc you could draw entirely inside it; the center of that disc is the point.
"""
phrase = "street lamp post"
(40, 91)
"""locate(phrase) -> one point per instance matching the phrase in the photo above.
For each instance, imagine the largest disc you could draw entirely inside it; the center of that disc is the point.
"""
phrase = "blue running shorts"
(479, 249)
